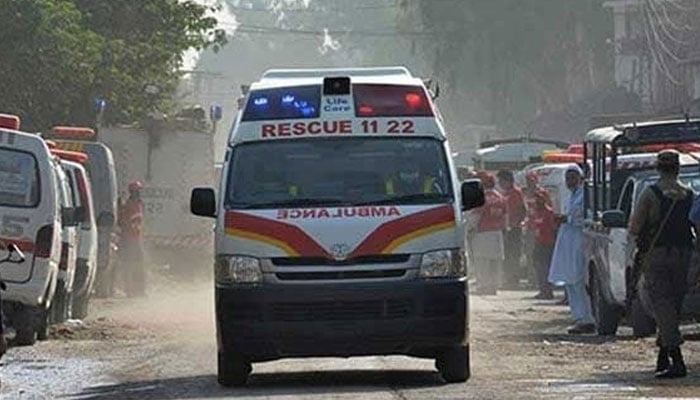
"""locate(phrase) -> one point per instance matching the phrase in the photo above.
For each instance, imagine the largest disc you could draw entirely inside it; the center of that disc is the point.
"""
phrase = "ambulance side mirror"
(203, 202)
(614, 219)
(472, 194)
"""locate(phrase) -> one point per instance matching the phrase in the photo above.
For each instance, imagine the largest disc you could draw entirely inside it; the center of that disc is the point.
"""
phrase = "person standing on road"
(543, 225)
(512, 234)
(664, 234)
(485, 227)
(531, 192)
(131, 216)
(568, 265)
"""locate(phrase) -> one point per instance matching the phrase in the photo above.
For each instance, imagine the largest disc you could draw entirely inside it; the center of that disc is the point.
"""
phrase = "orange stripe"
(263, 239)
(415, 235)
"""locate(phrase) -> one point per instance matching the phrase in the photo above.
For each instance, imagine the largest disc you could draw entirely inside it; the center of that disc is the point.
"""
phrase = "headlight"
(238, 269)
(443, 264)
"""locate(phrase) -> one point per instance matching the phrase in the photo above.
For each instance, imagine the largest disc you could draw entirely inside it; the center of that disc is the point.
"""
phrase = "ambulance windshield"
(338, 172)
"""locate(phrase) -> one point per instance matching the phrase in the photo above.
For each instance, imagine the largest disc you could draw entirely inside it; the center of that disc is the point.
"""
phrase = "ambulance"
(339, 224)
(60, 309)
(30, 217)
(102, 174)
(86, 251)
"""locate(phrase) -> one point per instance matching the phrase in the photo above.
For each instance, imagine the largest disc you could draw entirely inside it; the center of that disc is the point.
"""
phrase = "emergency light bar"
(73, 132)
(67, 155)
(9, 121)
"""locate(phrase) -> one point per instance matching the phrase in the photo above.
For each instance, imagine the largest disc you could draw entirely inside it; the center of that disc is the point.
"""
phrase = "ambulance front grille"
(320, 261)
(343, 310)
(336, 275)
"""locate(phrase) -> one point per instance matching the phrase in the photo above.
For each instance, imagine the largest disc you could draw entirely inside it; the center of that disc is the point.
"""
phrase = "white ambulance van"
(60, 309)
(339, 224)
(30, 217)
(86, 252)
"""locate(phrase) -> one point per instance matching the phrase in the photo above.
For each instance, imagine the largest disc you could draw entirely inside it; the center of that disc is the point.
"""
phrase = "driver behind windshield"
(409, 179)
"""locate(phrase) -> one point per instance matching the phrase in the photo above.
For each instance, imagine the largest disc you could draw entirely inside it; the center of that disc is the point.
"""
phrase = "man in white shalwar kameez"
(568, 264)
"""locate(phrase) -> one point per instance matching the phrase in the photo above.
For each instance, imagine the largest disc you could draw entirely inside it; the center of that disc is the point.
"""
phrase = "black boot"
(662, 360)
(677, 368)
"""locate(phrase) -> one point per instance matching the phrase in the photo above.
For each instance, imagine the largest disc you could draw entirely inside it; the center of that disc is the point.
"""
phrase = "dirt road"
(164, 348)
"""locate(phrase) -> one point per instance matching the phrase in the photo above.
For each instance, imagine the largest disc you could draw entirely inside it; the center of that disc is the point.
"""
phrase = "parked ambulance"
(339, 224)
(101, 171)
(30, 217)
(86, 252)
(60, 309)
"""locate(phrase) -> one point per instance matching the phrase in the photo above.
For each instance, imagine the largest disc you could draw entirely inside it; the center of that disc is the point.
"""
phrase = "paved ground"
(164, 348)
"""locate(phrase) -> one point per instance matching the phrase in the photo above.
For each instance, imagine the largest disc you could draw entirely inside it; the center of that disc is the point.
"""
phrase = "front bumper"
(418, 318)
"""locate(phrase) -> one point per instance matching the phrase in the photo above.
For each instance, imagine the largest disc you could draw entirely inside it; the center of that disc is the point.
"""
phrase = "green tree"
(58, 55)
(49, 60)
(502, 62)
(144, 44)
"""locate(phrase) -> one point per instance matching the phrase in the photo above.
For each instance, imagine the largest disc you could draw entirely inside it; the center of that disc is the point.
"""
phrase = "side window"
(625, 204)
(73, 187)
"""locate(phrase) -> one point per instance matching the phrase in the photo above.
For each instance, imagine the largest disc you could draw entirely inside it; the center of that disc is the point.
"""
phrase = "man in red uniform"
(512, 234)
(131, 224)
(531, 190)
(543, 223)
(486, 225)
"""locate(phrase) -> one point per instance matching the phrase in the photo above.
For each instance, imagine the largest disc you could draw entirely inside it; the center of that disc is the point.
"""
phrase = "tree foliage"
(59, 55)
(502, 62)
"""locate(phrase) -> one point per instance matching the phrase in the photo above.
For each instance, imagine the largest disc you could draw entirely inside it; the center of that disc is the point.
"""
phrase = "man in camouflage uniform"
(664, 239)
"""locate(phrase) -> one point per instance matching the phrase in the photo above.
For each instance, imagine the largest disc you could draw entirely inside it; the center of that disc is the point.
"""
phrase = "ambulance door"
(619, 256)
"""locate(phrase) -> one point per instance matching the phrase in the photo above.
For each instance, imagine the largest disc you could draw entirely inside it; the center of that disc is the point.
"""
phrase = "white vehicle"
(86, 262)
(512, 154)
(613, 193)
(102, 174)
(60, 309)
(340, 225)
(182, 158)
(30, 217)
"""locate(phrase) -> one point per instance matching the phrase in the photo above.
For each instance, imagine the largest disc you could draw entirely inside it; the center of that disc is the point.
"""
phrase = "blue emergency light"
(283, 103)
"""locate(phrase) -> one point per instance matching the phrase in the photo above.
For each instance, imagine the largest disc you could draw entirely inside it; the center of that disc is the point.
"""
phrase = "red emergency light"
(575, 149)
(9, 121)
(73, 132)
(67, 155)
(681, 147)
(562, 158)
(378, 100)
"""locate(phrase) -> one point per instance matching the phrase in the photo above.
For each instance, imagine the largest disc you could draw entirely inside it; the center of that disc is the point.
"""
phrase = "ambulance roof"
(380, 102)
(300, 77)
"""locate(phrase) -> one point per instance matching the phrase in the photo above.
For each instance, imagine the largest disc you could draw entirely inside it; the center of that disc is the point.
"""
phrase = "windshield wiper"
(421, 198)
(298, 202)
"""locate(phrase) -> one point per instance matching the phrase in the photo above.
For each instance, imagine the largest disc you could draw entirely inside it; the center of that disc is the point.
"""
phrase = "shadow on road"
(264, 385)
(645, 377)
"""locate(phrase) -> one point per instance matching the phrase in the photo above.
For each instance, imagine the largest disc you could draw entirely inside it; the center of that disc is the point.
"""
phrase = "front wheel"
(607, 315)
(25, 327)
(81, 302)
(453, 364)
(233, 369)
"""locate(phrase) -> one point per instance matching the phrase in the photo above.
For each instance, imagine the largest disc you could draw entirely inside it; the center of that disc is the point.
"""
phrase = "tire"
(41, 323)
(25, 327)
(233, 369)
(643, 325)
(59, 310)
(607, 315)
(81, 304)
(453, 365)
